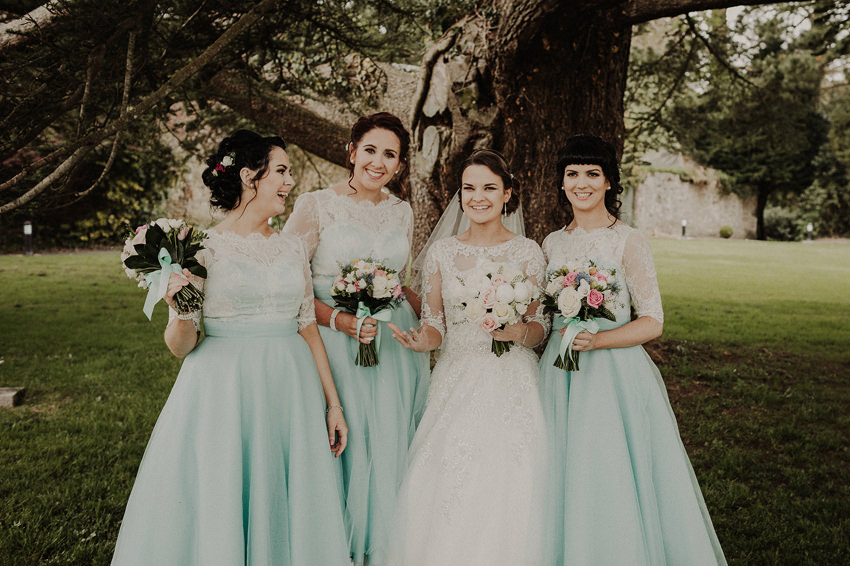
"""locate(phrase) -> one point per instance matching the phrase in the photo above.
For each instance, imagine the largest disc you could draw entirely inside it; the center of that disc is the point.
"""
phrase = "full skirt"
(621, 489)
(382, 404)
(238, 469)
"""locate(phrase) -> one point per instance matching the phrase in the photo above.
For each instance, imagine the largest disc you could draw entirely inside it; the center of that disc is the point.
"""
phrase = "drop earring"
(505, 209)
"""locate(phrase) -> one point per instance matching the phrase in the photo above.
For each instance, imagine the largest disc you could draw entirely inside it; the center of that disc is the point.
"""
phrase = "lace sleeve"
(432, 293)
(307, 310)
(304, 222)
(408, 220)
(203, 258)
(641, 277)
(535, 270)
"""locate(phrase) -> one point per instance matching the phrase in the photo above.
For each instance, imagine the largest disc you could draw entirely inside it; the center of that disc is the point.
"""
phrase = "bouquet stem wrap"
(367, 355)
(567, 358)
(158, 280)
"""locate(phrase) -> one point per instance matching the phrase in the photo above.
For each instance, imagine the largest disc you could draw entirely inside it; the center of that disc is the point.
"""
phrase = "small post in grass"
(684, 225)
(809, 229)
(27, 238)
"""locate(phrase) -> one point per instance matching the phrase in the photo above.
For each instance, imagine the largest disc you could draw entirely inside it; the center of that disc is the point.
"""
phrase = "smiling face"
(482, 194)
(585, 187)
(376, 159)
(273, 188)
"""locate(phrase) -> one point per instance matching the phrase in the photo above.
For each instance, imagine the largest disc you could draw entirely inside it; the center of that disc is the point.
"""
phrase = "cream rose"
(569, 303)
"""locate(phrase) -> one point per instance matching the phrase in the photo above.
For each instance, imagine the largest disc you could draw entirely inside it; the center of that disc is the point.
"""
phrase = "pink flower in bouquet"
(489, 322)
(497, 281)
(380, 273)
(139, 238)
(488, 298)
(595, 298)
(397, 292)
(183, 233)
(570, 278)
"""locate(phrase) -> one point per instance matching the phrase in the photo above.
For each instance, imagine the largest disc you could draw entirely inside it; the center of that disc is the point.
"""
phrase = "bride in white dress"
(472, 492)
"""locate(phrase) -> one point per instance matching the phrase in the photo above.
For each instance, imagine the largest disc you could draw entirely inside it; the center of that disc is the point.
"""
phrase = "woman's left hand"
(584, 341)
(337, 431)
(511, 333)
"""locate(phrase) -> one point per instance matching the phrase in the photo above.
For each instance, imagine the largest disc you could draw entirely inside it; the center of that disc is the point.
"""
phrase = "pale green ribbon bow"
(574, 326)
(363, 313)
(158, 280)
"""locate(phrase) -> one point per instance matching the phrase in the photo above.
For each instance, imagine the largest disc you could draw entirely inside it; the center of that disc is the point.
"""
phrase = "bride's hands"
(175, 283)
(511, 333)
(347, 323)
(337, 430)
(414, 340)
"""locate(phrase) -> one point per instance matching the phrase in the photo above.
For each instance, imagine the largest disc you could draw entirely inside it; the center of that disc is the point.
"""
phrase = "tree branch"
(150, 101)
(292, 120)
(15, 32)
(57, 174)
(639, 11)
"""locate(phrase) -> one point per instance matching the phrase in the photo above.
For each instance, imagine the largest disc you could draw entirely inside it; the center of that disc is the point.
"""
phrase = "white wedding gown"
(472, 495)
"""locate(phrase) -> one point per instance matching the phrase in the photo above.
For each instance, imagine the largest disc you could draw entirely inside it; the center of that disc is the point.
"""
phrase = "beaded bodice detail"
(620, 247)
(337, 229)
(450, 261)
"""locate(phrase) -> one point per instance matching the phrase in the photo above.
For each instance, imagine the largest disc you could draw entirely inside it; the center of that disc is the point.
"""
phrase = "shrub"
(726, 232)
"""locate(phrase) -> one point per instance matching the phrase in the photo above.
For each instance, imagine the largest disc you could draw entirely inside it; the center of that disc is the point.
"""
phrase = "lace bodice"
(256, 279)
(338, 229)
(622, 248)
(447, 263)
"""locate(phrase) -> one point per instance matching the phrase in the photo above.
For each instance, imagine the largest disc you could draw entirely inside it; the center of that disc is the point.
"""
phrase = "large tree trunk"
(522, 85)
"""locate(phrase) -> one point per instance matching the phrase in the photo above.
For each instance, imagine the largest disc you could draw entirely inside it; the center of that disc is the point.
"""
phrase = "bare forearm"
(181, 337)
(414, 300)
(630, 334)
(534, 336)
(311, 336)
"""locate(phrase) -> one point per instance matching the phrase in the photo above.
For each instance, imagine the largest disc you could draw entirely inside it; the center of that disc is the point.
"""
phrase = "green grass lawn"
(755, 355)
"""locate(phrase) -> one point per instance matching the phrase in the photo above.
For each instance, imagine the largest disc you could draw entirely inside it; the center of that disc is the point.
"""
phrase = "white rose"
(380, 283)
(522, 292)
(504, 294)
(350, 288)
(583, 288)
(474, 309)
(502, 312)
(175, 224)
(340, 286)
(569, 302)
(521, 308)
(162, 223)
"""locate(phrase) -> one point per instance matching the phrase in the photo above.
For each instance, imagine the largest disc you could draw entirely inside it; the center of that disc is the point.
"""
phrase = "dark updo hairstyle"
(495, 162)
(590, 150)
(384, 121)
(246, 149)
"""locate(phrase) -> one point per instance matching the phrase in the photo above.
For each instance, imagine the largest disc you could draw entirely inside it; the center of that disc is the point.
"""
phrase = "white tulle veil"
(453, 222)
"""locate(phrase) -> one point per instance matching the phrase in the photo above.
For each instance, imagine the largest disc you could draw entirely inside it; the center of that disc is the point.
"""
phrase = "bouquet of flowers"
(495, 295)
(367, 288)
(579, 294)
(158, 249)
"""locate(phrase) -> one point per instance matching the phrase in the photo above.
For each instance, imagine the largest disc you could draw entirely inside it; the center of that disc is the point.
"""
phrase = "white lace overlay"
(256, 279)
(450, 260)
(622, 248)
(471, 494)
(338, 229)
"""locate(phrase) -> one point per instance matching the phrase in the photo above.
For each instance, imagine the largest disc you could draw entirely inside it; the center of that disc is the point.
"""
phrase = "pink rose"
(570, 279)
(488, 298)
(489, 323)
(141, 228)
(184, 231)
(595, 298)
(139, 238)
(497, 280)
(380, 273)
(397, 292)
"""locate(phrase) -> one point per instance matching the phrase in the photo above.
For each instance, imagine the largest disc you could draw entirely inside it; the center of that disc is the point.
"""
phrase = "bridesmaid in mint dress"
(240, 466)
(359, 218)
(621, 488)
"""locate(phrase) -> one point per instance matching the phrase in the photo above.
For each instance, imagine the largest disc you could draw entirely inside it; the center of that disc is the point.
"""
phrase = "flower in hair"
(226, 162)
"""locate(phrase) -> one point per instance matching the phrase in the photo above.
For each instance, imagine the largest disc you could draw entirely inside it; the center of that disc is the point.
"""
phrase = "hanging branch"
(57, 174)
(16, 32)
(132, 113)
(720, 59)
(125, 99)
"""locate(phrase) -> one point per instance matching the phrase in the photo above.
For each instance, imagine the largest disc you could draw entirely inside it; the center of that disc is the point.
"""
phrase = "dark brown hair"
(389, 122)
(495, 162)
(590, 150)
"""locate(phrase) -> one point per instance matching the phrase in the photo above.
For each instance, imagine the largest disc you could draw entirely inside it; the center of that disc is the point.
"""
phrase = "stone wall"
(675, 189)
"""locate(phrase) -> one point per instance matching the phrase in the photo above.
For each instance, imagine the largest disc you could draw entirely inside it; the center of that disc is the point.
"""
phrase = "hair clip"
(226, 162)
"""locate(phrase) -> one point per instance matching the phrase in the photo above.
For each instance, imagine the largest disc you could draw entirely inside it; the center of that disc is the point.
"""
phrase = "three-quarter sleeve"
(535, 271)
(641, 277)
(307, 310)
(304, 222)
(432, 293)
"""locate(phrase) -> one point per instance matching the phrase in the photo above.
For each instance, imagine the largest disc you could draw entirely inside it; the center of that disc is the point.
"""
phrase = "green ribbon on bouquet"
(158, 280)
(574, 326)
(363, 313)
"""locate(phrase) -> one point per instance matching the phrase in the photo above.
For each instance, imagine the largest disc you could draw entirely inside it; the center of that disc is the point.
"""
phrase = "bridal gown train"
(471, 496)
